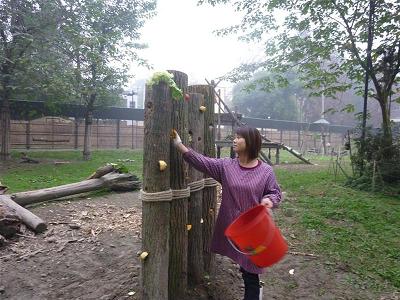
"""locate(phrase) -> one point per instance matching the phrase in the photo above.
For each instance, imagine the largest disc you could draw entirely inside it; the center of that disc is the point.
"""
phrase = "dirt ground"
(89, 252)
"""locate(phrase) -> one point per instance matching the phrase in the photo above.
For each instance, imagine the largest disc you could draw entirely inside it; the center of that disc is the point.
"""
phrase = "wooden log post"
(219, 151)
(28, 135)
(179, 206)
(196, 184)
(5, 133)
(97, 133)
(118, 123)
(156, 214)
(277, 161)
(87, 143)
(133, 135)
(76, 132)
(209, 205)
(298, 138)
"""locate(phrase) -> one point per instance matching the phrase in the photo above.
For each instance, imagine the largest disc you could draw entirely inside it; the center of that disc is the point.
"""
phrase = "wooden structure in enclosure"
(209, 204)
(237, 122)
(264, 145)
(179, 204)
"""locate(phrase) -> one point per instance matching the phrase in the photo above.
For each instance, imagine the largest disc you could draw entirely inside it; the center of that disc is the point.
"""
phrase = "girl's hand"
(176, 139)
(267, 202)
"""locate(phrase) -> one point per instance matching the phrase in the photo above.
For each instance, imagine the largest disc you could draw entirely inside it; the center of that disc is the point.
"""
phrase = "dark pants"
(251, 285)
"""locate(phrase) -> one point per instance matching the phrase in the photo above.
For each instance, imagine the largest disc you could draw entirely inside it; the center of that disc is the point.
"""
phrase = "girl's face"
(239, 144)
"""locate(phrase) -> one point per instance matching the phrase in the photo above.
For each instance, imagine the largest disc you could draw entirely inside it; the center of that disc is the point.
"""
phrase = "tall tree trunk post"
(28, 135)
(133, 136)
(97, 133)
(219, 124)
(386, 125)
(195, 240)
(87, 142)
(277, 159)
(368, 70)
(387, 143)
(156, 214)
(209, 206)
(5, 130)
(76, 132)
(118, 133)
(179, 207)
(298, 138)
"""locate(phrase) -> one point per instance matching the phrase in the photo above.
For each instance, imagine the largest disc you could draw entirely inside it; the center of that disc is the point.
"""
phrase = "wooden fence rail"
(56, 133)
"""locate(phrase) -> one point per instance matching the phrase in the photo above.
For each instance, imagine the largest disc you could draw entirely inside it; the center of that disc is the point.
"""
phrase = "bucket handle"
(237, 249)
(240, 251)
(250, 253)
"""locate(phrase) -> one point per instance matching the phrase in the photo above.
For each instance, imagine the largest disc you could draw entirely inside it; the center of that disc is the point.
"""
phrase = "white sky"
(180, 37)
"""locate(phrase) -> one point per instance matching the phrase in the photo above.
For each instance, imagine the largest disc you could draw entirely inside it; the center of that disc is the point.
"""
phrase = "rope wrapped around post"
(196, 185)
(181, 194)
(210, 182)
(170, 195)
(156, 197)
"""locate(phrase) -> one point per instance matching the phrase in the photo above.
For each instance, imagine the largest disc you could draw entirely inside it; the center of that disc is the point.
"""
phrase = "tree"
(255, 101)
(21, 27)
(99, 37)
(326, 41)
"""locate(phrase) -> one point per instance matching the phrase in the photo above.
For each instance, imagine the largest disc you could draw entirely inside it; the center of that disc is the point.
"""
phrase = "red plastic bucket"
(254, 234)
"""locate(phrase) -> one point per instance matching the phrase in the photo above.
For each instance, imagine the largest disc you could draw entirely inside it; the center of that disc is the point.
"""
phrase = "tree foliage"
(100, 39)
(326, 42)
(23, 25)
(70, 50)
(254, 100)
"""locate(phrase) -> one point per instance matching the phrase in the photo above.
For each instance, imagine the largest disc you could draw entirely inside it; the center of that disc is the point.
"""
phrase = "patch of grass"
(356, 230)
(25, 177)
(353, 230)
(286, 157)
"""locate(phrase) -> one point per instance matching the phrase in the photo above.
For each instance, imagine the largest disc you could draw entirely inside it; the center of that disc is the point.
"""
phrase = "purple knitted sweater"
(242, 188)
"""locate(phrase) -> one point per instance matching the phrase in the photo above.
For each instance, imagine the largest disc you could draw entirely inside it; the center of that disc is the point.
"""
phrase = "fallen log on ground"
(9, 221)
(106, 181)
(102, 171)
(3, 188)
(2, 240)
(126, 186)
(28, 218)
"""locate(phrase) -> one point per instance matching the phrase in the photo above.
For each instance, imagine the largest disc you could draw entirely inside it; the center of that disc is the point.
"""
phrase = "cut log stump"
(28, 218)
(9, 221)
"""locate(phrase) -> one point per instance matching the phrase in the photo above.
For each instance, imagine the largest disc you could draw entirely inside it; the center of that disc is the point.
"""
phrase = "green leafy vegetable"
(168, 78)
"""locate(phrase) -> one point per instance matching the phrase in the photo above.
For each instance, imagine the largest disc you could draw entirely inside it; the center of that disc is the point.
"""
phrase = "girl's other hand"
(267, 202)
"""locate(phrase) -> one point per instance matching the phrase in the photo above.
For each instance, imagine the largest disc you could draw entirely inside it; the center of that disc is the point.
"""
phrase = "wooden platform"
(268, 145)
(263, 156)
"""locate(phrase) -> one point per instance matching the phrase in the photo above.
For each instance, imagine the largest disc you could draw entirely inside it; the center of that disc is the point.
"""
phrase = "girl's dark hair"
(253, 140)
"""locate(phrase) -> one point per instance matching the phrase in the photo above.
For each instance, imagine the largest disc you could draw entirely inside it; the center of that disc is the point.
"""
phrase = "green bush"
(378, 164)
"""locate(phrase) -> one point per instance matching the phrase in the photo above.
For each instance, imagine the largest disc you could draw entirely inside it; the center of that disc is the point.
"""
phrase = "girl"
(246, 182)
